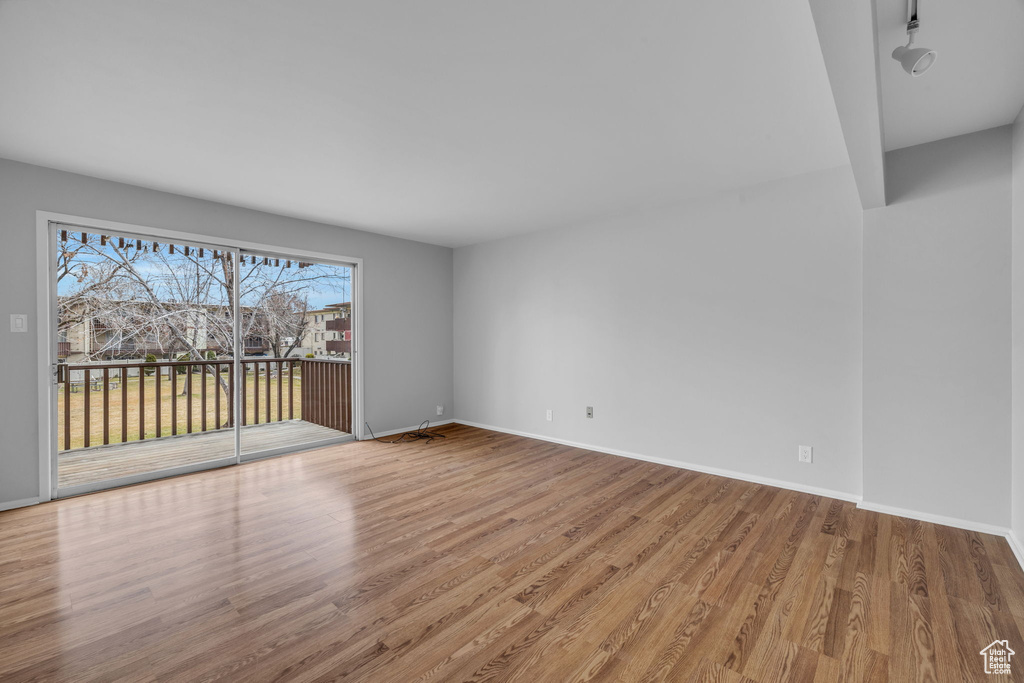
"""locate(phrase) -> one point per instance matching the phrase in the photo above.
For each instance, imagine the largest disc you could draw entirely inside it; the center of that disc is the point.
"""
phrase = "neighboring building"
(329, 331)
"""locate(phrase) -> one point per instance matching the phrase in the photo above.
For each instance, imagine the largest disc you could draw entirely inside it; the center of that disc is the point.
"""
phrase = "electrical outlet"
(590, 412)
(549, 415)
(440, 410)
(805, 454)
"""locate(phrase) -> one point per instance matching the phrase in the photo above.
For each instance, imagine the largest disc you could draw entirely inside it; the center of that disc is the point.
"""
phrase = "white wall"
(723, 333)
(937, 360)
(1018, 328)
(407, 298)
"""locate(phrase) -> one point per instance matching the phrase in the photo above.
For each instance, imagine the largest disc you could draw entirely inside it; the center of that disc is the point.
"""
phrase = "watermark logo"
(997, 657)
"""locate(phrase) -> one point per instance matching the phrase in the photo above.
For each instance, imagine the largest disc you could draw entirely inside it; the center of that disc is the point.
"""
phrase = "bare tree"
(283, 317)
(85, 280)
(181, 299)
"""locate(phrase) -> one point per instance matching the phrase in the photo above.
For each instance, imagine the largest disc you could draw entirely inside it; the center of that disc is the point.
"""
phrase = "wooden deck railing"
(327, 393)
(100, 404)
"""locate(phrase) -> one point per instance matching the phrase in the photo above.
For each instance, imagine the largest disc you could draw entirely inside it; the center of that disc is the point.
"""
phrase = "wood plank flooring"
(103, 463)
(490, 557)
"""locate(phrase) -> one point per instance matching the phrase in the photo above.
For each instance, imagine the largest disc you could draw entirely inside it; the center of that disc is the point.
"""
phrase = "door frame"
(46, 297)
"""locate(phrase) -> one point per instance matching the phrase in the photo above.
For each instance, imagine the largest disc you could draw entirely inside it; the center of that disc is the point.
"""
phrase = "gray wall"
(407, 298)
(1018, 327)
(724, 333)
(937, 360)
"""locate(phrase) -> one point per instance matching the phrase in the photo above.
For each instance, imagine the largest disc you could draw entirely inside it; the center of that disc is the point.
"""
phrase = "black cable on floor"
(419, 433)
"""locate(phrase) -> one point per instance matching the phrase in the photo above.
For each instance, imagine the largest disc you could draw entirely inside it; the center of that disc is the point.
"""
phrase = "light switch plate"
(19, 322)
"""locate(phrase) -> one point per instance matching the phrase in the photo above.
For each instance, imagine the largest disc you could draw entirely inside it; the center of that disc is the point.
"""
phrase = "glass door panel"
(295, 318)
(145, 339)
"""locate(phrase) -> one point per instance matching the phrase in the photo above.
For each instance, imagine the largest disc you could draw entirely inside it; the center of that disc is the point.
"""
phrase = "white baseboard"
(392, 432)
(24, 502)
(731, 474)
(954, 522)
(1016, 546)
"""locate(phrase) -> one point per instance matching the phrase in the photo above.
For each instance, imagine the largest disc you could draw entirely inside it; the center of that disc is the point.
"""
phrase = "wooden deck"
(103, 463)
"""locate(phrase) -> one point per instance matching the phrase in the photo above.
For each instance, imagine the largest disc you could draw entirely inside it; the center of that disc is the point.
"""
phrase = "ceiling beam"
(846, 32)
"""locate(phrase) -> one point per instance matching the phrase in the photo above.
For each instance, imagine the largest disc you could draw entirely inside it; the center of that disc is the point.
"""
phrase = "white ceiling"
(977, 82)
(450, 122)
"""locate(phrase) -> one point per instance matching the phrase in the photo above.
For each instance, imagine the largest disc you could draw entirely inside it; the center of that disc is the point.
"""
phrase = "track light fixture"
(915, 60)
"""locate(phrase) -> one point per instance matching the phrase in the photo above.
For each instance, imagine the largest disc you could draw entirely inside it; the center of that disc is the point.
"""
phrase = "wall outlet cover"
(805, 454)
(440, 410)
(549, 415)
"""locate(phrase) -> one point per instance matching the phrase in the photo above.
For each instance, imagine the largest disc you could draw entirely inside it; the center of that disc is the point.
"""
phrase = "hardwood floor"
(489, 557)
(103, 463)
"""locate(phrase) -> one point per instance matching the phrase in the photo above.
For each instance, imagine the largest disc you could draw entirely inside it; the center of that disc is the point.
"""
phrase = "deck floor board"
(115, 461)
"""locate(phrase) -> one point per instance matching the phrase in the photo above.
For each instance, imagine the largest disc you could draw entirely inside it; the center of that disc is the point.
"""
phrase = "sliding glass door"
(175, 356)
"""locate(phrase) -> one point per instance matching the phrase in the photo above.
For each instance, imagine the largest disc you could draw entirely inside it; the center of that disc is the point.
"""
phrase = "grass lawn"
(78, 416)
